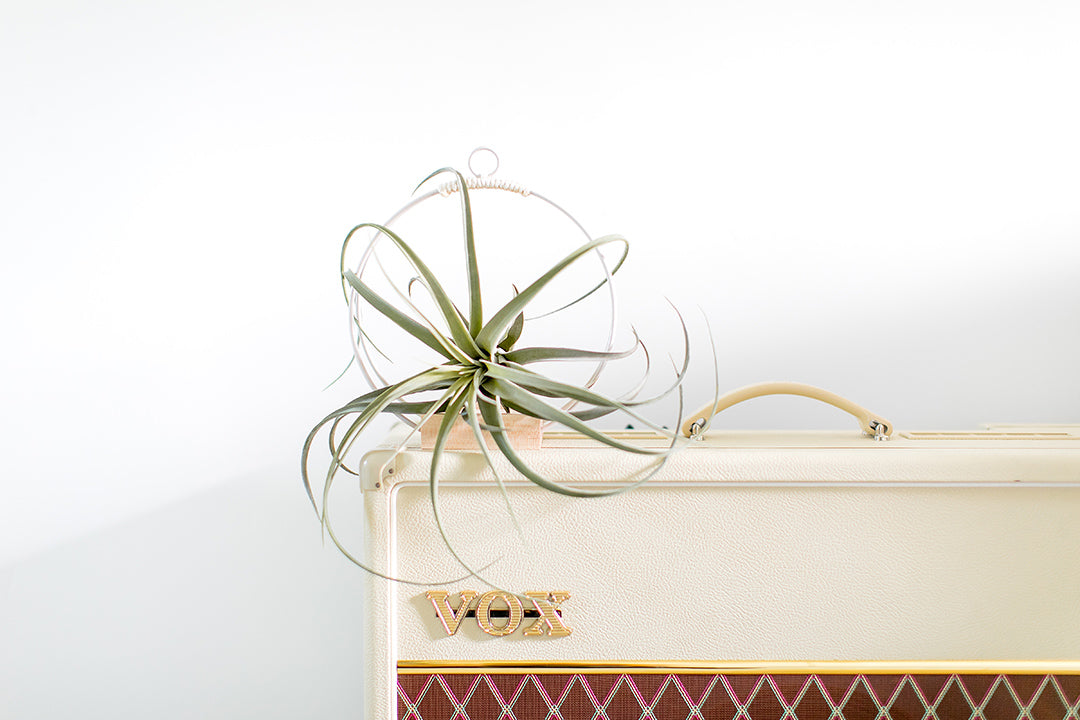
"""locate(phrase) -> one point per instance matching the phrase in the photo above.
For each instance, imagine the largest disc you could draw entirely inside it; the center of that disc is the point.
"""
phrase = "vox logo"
(508, 608)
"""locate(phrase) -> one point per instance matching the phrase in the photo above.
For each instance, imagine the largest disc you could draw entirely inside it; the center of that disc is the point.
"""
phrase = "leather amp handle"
(873, 425)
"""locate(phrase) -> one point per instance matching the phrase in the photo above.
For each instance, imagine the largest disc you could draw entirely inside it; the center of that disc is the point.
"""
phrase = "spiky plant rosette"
(483, 374)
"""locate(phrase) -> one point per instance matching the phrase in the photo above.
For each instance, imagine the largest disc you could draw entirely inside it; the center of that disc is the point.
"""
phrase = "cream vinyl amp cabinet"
(812, 576)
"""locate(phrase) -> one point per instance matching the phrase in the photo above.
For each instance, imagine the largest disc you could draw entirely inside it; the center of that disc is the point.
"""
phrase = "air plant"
(483, 375)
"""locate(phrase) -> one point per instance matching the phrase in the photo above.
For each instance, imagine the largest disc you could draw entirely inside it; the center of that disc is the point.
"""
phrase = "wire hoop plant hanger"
(483, 372)
(479, 180)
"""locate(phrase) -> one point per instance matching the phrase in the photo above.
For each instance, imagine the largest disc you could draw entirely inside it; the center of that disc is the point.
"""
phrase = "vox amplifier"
(814, 576)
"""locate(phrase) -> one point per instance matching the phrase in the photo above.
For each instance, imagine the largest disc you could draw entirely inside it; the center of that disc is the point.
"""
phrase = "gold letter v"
(449, 619)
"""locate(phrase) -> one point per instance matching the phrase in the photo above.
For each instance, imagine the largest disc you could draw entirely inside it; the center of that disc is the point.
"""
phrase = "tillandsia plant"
(483, 374)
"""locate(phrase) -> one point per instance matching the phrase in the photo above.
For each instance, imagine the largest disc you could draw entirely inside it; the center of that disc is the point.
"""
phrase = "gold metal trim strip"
(873, 667)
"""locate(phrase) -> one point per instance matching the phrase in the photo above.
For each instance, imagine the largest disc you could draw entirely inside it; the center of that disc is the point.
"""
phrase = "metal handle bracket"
(872, 424)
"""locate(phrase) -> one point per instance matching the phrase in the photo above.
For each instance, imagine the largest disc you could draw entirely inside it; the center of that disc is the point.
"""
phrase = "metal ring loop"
(474, 153)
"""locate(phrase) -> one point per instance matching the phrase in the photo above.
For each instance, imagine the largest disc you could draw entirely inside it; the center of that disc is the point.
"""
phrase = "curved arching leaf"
(500, 321)
(526, 356)
(458, 331)
(476, 310)
(403, 321)
(528, 380)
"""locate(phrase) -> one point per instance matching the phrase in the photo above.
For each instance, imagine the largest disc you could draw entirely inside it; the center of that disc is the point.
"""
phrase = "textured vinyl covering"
(805, 550)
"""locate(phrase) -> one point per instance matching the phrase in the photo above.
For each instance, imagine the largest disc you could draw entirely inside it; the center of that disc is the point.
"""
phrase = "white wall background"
(879, 198)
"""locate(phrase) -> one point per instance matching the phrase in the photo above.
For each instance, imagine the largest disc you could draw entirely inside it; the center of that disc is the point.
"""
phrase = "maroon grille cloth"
(657, 696)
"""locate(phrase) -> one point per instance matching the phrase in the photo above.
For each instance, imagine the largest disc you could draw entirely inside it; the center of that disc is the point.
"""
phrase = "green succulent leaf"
(453, 413)
(493, 416)
(451, 315)
(526, 356)
(329, 529)
(367, 408)
(528, 380)
(489, 409)
(589, 293)
(501, 320)
(478, 428)
(403, 321)
(527, 400)
(585, 415)
(514, 333)
(476, 311)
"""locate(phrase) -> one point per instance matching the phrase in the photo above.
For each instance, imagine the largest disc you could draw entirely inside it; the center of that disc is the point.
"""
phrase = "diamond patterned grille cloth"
(619, 696)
